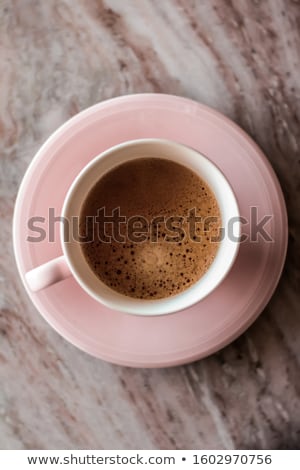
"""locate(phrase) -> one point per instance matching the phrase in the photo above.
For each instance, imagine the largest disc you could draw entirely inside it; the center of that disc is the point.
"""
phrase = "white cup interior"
(154, 148)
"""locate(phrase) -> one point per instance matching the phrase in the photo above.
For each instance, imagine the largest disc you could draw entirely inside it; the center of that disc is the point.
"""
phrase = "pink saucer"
(187, 335)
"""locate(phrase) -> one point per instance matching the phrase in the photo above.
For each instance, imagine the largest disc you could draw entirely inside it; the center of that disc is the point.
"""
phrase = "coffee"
(149, 228)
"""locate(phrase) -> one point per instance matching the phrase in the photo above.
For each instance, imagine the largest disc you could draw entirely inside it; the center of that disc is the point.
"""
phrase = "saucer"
(214, 322)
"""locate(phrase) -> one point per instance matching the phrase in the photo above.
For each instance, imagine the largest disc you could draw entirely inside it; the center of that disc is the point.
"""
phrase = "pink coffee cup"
(72, 262)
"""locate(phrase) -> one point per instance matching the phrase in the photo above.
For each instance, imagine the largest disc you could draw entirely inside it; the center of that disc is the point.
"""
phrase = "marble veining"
(58, 57)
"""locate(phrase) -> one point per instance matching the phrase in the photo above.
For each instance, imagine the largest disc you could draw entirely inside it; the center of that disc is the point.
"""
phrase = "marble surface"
(61, 56)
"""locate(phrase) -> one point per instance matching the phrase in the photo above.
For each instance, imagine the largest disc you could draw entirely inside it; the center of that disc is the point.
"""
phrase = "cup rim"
(146, 307)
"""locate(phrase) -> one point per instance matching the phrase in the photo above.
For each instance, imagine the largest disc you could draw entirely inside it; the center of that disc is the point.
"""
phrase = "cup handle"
(47, 274)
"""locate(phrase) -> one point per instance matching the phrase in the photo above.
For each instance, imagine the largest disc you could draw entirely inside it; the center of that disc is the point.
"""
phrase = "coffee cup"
(74, 263)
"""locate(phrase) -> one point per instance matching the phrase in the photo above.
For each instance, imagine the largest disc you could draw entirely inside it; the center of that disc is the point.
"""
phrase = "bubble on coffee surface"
(166, 262)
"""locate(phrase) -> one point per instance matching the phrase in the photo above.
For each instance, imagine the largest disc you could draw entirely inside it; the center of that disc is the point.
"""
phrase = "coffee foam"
(151, 269)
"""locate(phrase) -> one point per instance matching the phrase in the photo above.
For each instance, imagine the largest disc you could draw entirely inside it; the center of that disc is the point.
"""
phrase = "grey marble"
(58, 57)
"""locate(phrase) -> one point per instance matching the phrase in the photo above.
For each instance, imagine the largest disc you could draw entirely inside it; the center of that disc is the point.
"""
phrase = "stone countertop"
(58, 57)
